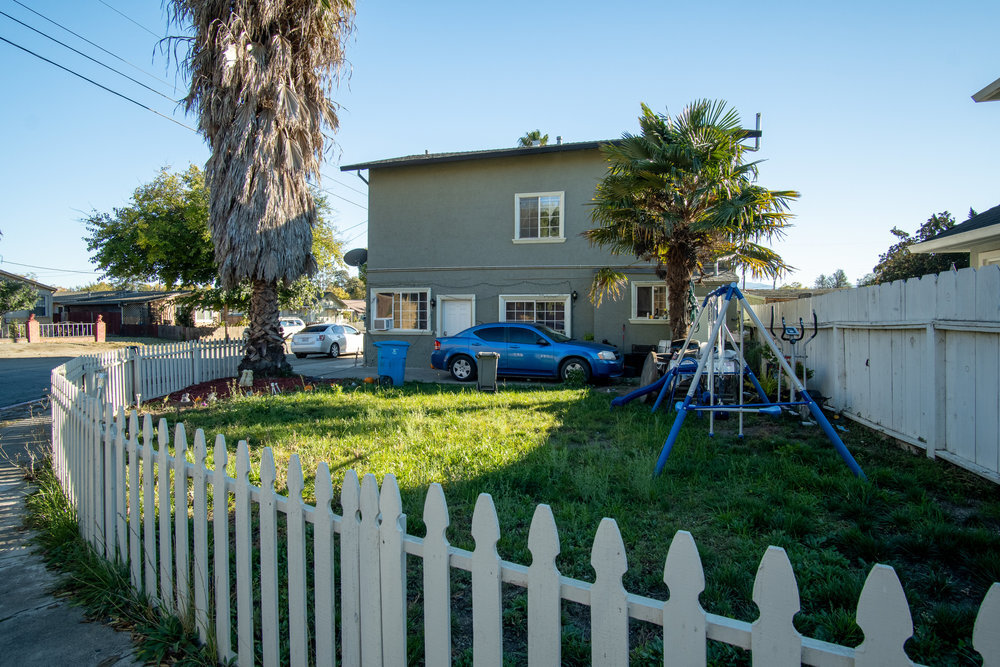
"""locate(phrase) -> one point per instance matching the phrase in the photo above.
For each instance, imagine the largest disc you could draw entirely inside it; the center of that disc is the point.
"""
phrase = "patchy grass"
(782, 484)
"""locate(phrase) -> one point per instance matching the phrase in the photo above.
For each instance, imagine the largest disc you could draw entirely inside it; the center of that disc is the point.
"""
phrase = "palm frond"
(607, 283)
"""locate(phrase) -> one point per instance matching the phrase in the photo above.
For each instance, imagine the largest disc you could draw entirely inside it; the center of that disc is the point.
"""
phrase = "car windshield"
(316, 328)
(552, 333)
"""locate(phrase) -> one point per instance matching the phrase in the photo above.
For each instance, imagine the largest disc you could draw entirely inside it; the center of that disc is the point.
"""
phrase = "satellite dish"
(356, 257)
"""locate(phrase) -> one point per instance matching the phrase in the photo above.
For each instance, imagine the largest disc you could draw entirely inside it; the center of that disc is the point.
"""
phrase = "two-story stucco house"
(457, 239)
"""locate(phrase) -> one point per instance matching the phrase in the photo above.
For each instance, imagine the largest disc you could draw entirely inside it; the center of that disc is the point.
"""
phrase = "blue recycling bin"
(392, 360)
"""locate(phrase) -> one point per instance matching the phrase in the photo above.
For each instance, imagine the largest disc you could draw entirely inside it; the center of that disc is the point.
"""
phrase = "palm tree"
(261, 76)
(531, 137)
(679, 194)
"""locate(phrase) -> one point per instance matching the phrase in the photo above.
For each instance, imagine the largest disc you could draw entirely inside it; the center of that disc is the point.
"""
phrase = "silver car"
(330, 339)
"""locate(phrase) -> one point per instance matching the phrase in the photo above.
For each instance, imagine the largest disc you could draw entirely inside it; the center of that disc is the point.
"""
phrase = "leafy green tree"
(531, 137)
(835, 280)
(162, 237)
(15, 296)
(680, 194)
(261, 74)
(898, 263)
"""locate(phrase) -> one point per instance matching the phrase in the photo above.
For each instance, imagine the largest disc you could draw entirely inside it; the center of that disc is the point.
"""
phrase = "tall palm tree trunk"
(679, 270)
(265, 352)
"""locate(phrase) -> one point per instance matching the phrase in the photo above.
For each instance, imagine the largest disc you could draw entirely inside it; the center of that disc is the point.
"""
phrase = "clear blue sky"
(866, 106)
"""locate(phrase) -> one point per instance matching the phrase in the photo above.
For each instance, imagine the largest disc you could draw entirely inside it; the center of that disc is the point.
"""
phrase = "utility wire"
(93, 44)
(334, 194)
(119, 12)
(342, 184)
(347, 229)
(46, 268)
(95, 60)
(113, 92)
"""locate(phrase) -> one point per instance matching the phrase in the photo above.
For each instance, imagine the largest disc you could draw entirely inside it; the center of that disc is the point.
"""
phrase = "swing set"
(716, 376)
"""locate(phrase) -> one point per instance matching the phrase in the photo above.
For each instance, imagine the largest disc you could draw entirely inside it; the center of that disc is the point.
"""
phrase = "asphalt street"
(25, 379)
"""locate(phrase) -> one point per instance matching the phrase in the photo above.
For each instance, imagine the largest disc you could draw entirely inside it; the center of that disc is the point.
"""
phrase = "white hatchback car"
(290, 326)
(330, 339)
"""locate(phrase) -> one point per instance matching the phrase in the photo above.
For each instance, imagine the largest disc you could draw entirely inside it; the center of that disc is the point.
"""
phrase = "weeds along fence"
(269, 578)
(918, 360)
(151, 371)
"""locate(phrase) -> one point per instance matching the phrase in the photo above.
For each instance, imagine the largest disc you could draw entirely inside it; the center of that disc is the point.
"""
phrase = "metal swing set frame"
(712, 365)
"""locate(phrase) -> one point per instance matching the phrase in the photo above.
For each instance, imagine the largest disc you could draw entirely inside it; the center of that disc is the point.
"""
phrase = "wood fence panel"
(392, 565)
(244, 548)
(487, 601)
(775, 641)
(684, 621)
(164, 509)
(148, 508)
(323, 574)
(370, 574)
(985, 637)
(199, 515)
(298, 629)
(220, 542)
(110, 481)
(965, 294)
(437, 579)
(544, 604)
(183, 560)
(987, 289)
(268, 511)
(960, 390)
(884, 617)
(987, 403)
(134, 555)
(121, 490)
(609, 619)
(350, 570)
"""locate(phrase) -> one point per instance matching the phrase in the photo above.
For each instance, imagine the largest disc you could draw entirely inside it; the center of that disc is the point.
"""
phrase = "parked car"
(291, 326)
(330, 339)
(530, 350)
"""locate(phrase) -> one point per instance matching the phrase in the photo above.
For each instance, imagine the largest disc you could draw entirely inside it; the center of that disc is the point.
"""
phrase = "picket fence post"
(437, 579)
(244, 582)
(220, 539)
(323, 574)
(544, 601)
(199, 510)
(163, 486)
(268, 513)
(183, 562)
(487, 599)
(297, 609)
(350, 570)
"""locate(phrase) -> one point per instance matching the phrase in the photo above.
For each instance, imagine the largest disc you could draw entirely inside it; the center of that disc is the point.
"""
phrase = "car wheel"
(462, 368)
(300, 355)
(334, 351)
(574, 364)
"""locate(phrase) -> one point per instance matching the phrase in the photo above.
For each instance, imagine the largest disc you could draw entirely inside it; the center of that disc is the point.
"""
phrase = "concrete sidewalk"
(35, 627)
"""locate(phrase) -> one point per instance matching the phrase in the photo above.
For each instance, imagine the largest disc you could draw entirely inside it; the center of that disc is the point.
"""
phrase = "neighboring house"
(43, 306)
(990, 93)
(979, 236)
(330, 308)
(457, 239)
(126, 312)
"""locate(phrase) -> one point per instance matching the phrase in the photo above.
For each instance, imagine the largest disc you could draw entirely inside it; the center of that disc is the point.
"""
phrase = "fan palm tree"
(679, 194)
(261, 78)
(531, 137)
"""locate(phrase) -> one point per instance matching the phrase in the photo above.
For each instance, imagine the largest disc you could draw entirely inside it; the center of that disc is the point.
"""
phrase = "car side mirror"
(541, 341)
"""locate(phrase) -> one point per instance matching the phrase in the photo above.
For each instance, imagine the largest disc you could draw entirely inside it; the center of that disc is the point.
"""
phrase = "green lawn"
(782, 484)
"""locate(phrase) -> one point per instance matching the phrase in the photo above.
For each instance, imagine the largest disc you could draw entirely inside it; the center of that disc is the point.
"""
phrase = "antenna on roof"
(756, 139)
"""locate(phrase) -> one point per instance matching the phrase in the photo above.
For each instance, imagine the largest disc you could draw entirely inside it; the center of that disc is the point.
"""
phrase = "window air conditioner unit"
(382, 324)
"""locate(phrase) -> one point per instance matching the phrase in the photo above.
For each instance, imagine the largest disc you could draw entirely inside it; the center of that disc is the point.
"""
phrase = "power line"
(334, 194)
(95, 45)
(87, 57)
(46, 268)
(342, 184)
(113, 92)
(341, 231)
(354, 238)
(119, 12)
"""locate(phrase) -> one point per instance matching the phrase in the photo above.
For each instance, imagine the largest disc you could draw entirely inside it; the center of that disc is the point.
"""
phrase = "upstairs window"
(538, 217)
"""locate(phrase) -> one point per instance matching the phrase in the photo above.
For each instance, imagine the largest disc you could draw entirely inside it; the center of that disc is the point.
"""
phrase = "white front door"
(456, 316)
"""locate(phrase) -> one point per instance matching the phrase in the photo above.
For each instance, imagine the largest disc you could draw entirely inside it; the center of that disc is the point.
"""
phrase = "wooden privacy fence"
(152, 371)
(183, 521)
(918, 360)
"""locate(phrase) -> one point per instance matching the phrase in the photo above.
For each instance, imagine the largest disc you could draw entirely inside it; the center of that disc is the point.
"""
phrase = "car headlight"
(607, 355)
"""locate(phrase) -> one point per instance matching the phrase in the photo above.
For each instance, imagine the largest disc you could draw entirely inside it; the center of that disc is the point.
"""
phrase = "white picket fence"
(167, 516)
(152, 371)
(67, 330)
(918, 360)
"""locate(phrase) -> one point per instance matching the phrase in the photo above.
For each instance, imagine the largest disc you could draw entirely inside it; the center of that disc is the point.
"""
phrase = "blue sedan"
(530, 350)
